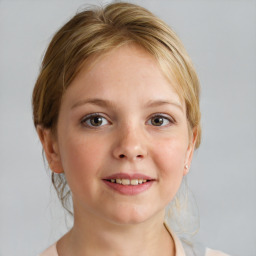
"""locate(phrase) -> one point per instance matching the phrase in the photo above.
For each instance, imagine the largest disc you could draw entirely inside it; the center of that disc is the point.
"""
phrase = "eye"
(94, 120)
(160, 120)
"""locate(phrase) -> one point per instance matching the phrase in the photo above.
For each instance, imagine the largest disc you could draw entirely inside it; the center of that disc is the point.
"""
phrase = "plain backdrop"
(220, 36)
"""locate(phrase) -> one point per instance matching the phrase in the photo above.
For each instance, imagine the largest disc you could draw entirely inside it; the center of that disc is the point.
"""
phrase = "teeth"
(119, 181)
(134, 182)
(125, 182)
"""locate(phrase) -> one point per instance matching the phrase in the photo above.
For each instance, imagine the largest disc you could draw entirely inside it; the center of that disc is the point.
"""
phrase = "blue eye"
(94, 120)
(159, 120)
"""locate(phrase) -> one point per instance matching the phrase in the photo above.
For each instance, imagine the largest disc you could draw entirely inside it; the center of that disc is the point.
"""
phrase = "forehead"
(125, 71)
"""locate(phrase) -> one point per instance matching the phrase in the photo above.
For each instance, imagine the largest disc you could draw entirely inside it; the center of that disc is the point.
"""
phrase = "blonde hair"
(96, 31)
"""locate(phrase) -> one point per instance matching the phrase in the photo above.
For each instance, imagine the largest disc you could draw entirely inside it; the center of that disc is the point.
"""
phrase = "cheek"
(81, 161)
(171, 155)
(170, 159)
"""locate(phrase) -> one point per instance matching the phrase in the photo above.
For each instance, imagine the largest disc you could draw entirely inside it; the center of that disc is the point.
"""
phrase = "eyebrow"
(156, 103)
(98, 102)
(109, 104)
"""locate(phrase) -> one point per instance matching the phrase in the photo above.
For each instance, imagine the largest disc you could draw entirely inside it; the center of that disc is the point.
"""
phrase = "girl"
(116, 107)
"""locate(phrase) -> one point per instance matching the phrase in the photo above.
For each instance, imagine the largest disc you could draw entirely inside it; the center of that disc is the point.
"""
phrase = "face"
(122, 138)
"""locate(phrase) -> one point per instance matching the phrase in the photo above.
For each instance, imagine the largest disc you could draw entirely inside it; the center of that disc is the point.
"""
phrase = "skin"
(130, 89)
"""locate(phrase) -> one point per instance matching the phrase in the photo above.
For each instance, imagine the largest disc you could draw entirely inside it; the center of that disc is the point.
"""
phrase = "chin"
(132, 216)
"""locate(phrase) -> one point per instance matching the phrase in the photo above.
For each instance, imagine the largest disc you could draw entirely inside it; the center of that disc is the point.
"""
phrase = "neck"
(95, 236)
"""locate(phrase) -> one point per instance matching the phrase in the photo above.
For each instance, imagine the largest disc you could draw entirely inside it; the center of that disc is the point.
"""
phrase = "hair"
(98, 30)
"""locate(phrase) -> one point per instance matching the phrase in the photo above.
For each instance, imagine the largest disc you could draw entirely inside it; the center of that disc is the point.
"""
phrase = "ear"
(190, 151)
(50, 146)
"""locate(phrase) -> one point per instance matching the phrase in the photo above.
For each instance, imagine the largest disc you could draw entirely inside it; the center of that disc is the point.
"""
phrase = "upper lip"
(128, 176)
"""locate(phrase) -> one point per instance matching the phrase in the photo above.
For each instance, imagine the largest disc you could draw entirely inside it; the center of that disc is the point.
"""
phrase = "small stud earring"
(187, 170)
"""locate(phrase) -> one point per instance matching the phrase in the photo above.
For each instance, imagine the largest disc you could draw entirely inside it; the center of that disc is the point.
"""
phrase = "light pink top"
(52, 251)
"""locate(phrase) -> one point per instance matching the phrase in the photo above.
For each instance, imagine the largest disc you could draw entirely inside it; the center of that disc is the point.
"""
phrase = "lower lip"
(129, 190)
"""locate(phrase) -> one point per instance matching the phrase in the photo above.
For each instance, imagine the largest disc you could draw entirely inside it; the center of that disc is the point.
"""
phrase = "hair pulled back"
(94, 32)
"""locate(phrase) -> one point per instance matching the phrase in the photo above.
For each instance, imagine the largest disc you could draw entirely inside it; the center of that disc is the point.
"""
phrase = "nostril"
(123, 156)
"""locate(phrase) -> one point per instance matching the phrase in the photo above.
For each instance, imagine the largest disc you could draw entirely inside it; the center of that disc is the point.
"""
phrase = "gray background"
(220, 36)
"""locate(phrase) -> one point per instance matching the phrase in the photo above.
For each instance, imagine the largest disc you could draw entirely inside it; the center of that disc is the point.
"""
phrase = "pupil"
(96, 121)
(158, 121)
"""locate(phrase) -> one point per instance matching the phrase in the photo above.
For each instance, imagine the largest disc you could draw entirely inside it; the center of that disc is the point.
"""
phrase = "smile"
(129, 184)
(126, 182)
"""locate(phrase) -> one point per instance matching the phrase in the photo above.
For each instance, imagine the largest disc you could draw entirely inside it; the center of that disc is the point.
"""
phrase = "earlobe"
(190, 151)
(186, 170)
(50, 147)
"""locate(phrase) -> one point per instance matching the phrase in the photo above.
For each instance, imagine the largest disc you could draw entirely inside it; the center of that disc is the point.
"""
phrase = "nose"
(130, 145)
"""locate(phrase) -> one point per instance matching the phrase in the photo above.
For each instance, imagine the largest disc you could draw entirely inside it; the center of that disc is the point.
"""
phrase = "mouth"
(129, 184)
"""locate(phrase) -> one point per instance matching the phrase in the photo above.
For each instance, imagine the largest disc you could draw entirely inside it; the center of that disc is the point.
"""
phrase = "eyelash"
(90, 117)
(163, 116)
(94, 115)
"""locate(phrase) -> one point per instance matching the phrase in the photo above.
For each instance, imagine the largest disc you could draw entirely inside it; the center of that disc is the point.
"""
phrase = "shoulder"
(185, 247)
(210, 252)
(51, 251)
